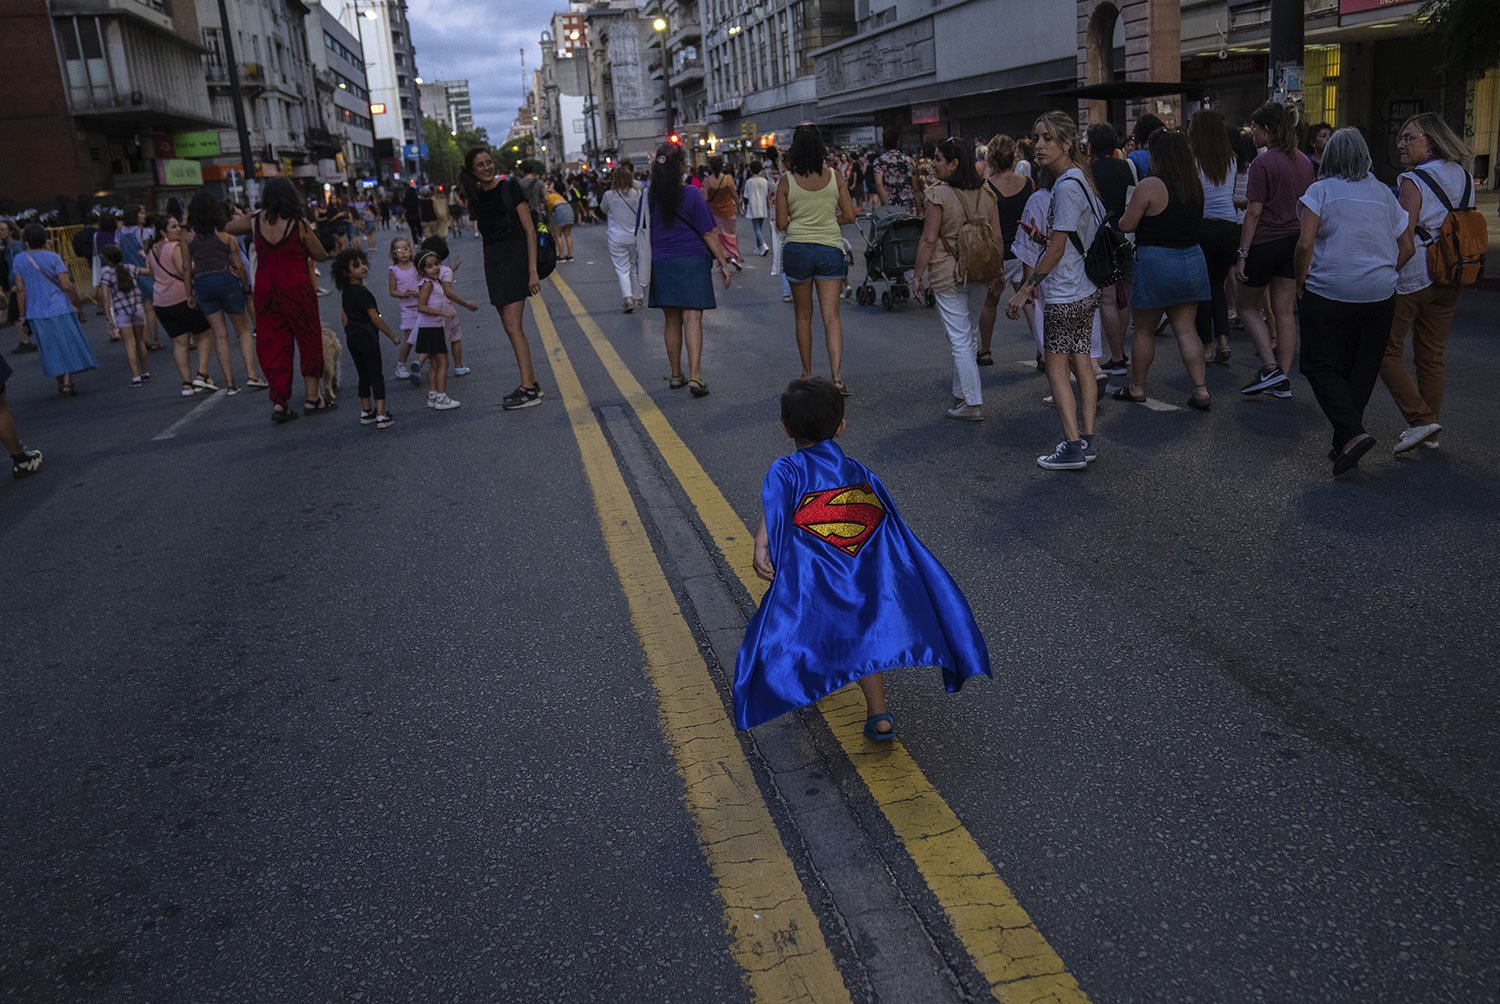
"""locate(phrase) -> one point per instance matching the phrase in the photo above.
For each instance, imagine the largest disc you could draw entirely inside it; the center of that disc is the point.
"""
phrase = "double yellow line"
(774, 934)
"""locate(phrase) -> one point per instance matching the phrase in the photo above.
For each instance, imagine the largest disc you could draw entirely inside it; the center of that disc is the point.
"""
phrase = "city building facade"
(343, 93)
(384, 33)
(760, 72)
(287, 131)
(448, 102)
(630, 113)
(96, 94)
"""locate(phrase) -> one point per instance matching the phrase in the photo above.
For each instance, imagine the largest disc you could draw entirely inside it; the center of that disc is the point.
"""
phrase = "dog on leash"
(328, 386)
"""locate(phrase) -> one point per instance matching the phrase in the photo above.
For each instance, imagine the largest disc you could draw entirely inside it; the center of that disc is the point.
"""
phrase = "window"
(87, 71)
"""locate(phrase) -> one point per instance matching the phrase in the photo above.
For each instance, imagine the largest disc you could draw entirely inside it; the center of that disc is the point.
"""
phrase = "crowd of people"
(1100, 245)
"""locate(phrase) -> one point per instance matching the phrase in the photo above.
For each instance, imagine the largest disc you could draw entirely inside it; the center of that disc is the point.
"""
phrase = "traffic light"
(674, 138)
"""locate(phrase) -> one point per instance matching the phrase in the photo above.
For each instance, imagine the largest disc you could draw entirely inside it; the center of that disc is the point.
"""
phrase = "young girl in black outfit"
(361, 319)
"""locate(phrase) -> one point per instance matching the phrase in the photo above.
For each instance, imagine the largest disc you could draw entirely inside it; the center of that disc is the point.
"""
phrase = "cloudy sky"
(481, 41)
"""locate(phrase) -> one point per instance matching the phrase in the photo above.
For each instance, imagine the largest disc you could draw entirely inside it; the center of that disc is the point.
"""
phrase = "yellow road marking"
(774, 935)
(1007, 948)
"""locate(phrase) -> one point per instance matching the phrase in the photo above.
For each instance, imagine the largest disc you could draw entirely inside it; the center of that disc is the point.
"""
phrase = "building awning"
(1124, 90)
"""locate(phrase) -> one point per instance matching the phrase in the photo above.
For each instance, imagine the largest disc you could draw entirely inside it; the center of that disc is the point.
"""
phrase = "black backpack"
(83, 243)
(1104, 259)
(546, 248)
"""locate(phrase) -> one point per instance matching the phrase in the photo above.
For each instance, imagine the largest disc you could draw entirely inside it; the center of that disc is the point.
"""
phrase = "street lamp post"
(247, 162)
(659, 25)
(591, 131)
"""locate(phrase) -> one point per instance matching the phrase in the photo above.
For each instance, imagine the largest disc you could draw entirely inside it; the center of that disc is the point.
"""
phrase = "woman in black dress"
(503, 216)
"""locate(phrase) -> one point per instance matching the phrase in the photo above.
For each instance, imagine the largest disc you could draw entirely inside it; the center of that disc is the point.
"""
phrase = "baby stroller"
(891, 238)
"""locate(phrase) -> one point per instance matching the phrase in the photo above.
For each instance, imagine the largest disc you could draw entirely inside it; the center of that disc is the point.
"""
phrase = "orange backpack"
(1455, 254)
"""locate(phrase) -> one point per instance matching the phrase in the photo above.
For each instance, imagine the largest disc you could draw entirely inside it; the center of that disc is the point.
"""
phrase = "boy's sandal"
(871, 732)
(697, 388)
(1123, 394)
(676, 382)
(985, 358)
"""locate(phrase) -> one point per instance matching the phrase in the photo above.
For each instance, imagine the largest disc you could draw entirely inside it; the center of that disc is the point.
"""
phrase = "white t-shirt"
(1075, 209)
(1354, 254)
(1030, 252)
(1218, 200)
(757, 190)
(1452, 177)
(619, 213)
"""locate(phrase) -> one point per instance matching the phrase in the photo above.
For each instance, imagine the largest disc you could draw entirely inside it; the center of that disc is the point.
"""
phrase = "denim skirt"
(686, 282)
(1166, 277)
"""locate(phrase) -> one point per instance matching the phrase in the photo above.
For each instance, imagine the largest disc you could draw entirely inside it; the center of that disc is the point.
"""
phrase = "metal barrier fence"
(60, 241)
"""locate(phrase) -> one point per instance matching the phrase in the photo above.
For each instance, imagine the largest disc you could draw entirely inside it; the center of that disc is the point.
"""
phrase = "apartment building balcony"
(1250, 20)
(686, 72)
(729, 104)
(155, 13)
(252, 76)
(686, 33)
(129, 67)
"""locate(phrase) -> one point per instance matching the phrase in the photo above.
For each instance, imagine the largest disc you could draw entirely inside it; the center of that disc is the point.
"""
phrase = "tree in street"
(1469, 32)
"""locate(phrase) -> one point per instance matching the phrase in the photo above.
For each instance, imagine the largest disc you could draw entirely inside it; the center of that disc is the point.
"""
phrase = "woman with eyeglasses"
(958, 196)
(1434, 159)
(1072, 298)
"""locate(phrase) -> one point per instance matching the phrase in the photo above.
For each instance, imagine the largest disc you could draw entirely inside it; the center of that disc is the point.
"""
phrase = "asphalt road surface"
(321, 712)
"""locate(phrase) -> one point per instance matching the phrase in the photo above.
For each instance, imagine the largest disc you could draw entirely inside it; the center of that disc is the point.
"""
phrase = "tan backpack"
(1455, 254)
(976, 249)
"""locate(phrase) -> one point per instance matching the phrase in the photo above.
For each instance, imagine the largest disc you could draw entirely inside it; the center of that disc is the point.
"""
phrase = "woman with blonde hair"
(1436, 177)
(1072, 298)
(1011, 191)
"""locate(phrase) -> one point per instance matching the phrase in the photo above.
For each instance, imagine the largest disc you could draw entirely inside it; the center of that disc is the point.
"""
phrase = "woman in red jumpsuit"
(286, 309)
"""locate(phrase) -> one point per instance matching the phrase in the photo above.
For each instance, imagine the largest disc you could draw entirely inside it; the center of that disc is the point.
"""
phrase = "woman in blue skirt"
(684, 245)
(1171, 274)
(49, 303)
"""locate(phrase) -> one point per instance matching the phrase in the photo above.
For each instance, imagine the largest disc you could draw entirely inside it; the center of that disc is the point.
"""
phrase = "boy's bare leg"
(873, 687)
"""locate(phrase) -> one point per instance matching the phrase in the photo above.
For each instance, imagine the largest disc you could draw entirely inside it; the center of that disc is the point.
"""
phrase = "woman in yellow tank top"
(812, 202)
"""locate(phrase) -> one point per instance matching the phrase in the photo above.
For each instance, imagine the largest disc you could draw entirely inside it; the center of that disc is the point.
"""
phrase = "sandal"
(676, 382)
(871, 732)
(985, 358)
(321, 404)
(841, 388)
(697, 388)
(280, 415)
(1123, 394)
(257, 383)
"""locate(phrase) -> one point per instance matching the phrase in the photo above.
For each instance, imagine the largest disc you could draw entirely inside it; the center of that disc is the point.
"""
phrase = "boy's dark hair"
(346, 259)
(437, 246)
(812, 410)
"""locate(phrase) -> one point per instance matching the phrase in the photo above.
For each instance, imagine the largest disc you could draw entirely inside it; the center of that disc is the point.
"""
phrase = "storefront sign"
(1358, 6)
(856, 136)
(925, 114)
(196, 144)
(161, 145)
(377, 108)
(1211, 68)
(179, 173)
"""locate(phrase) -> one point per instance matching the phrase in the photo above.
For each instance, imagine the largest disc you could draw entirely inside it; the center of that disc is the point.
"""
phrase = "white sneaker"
(967, 412)
(432, 399)
(1431, 444)
(1417, 434)
(445, 403)
(461, 371)
(402, 372)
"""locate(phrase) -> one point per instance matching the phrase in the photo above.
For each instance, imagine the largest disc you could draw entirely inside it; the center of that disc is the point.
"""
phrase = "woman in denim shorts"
(812, 201)
(215, 277)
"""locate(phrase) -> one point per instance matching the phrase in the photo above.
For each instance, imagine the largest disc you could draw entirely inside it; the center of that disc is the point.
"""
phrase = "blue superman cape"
(855, 592)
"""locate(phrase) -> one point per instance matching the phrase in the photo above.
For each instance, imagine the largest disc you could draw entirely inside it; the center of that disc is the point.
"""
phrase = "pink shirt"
(408, 279)
(167, 289)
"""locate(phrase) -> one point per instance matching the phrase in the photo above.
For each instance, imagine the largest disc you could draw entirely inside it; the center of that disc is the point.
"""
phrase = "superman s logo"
(843, 517)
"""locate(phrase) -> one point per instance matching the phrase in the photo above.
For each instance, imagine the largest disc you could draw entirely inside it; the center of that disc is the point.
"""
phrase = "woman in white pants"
(960, 195)
(621, 206)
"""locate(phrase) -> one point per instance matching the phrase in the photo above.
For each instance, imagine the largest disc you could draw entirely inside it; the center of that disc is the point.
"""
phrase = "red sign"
(377, 108)
(1209, 68)
(1358, 6)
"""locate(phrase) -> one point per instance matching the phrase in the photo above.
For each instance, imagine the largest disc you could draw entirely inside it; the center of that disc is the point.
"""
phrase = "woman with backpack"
(812, 202)
(960, 235)
(1436, 178)
(622, 206)
(1171, 275)
(503, 214)
(1072, 298)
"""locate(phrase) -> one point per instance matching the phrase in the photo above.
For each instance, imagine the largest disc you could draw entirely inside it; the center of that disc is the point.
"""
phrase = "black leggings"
(1220, 241)
(364, 349)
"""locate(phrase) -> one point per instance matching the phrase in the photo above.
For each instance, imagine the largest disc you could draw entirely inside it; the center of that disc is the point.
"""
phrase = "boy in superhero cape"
(853, 591)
